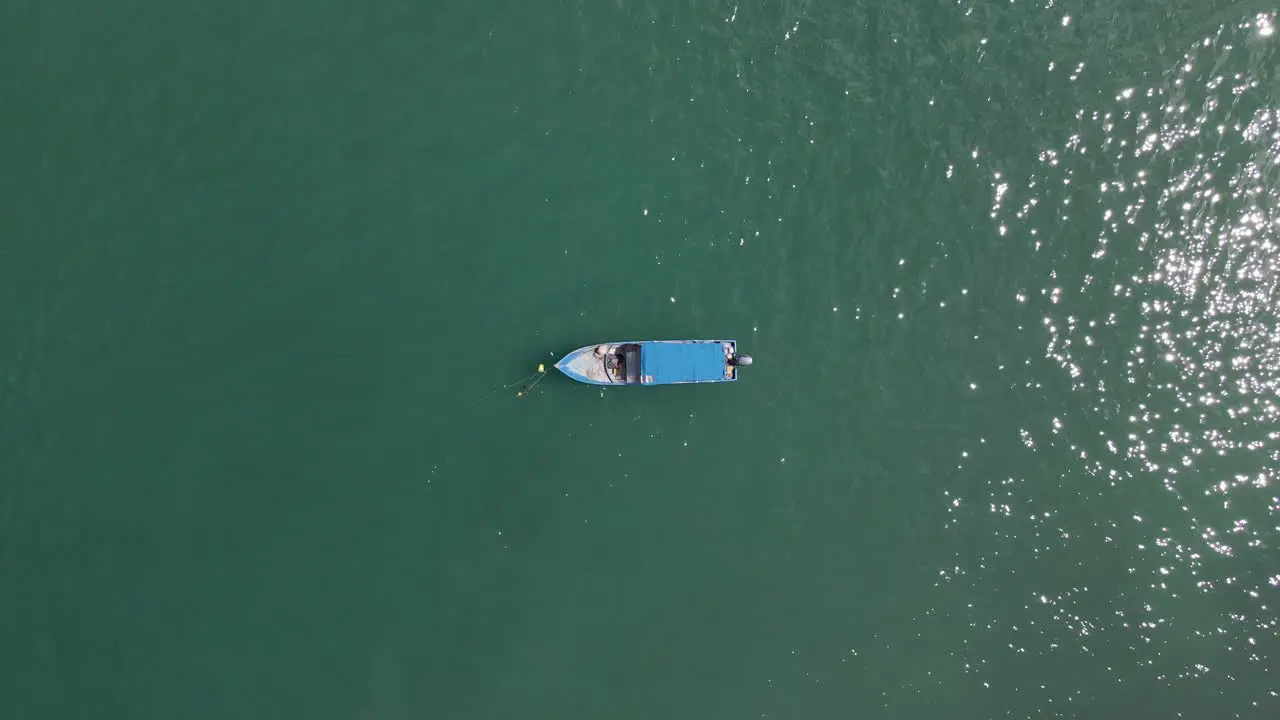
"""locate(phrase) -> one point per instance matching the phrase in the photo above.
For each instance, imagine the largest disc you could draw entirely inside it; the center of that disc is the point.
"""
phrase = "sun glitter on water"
(1167, 327)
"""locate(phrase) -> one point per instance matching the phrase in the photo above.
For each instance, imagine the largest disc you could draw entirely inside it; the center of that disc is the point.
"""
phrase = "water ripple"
(1167, 329)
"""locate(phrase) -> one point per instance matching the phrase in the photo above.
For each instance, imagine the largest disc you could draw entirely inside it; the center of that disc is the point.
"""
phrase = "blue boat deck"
(663, 363)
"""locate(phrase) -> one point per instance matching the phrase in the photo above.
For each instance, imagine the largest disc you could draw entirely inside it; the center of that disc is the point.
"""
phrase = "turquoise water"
(1009, 272)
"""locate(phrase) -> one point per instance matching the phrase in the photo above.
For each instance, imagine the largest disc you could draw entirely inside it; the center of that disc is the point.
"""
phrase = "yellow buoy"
(541, 367)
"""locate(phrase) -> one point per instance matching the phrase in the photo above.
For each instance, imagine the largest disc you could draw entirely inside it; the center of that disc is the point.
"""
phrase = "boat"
(655, 362)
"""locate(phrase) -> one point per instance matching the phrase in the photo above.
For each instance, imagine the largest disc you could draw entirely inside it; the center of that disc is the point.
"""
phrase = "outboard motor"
(744, 360)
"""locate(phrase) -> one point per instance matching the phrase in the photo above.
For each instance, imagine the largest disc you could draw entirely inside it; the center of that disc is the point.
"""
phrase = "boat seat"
(631, 360)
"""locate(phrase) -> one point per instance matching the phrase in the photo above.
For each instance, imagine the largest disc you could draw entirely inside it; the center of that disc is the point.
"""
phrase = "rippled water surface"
(270, 274)
(1143, 530)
